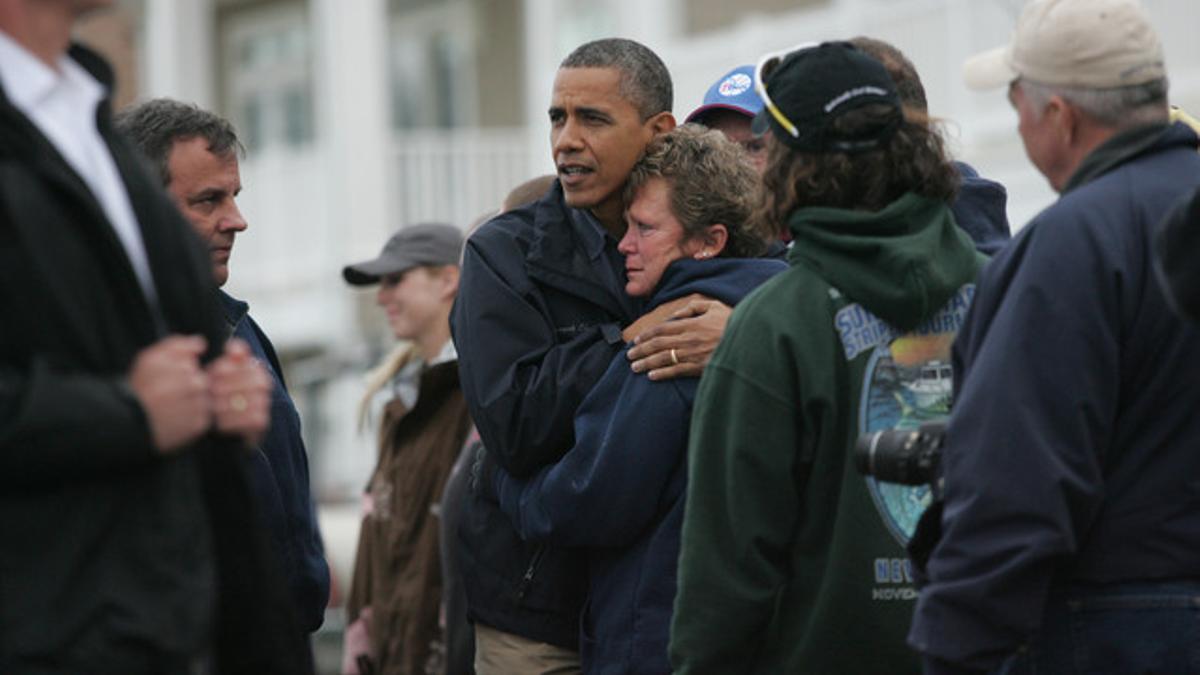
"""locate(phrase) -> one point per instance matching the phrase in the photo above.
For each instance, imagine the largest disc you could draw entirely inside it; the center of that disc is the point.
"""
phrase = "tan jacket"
(397, 570)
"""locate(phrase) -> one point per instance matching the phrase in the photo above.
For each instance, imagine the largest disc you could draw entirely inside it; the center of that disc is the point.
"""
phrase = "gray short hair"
(156, 125)
(1118, 107)
(645, 80)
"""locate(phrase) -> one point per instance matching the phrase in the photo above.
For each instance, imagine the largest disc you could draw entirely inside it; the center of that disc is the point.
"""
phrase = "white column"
(178, 59)
(541, 63)
(354, 135)
(650, 23)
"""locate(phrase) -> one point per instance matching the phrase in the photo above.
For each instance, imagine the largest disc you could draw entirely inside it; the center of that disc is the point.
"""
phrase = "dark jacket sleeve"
(630, 435)
(1037, 365)
(522, 384)
(55, 426)
(1176, 248)
(735, 541)
(280, 479)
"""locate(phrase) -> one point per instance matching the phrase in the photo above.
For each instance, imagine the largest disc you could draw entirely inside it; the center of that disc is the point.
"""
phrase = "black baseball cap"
(804, 91)
(413, 246)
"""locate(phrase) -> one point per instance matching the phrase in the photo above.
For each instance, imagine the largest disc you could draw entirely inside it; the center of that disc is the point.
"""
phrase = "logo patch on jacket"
(908, 381)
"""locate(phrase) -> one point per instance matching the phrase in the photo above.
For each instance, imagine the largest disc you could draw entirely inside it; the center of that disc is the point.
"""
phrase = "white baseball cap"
(1090, 44)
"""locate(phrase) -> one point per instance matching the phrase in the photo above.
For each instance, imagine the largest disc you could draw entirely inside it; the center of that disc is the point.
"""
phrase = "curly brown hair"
(913, 159)
(712, 181)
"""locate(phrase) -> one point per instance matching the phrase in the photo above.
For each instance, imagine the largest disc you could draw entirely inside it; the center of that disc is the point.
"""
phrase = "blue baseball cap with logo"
(734, 91)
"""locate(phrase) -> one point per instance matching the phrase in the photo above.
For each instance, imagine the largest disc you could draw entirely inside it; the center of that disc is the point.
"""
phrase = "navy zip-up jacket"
(1071, 453)
(279, 475)
(619, 492)
(536, 321)
(1176, 245)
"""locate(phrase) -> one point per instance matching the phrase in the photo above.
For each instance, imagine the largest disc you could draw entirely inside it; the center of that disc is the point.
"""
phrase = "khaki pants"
(499, 653)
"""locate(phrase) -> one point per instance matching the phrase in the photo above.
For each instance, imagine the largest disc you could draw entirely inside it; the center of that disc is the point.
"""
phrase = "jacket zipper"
(527, 578)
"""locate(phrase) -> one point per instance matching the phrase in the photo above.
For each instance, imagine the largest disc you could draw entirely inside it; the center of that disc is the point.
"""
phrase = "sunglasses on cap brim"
(762, 71)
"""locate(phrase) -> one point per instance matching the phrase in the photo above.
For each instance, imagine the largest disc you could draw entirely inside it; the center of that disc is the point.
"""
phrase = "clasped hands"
(184, 399)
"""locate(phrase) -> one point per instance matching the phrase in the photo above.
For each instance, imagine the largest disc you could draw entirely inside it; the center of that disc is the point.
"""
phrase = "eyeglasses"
(762, 71)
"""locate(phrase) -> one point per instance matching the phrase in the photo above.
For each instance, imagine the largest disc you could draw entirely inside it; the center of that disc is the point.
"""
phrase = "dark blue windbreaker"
(279, 471)
(537, 320)
(1073, 451)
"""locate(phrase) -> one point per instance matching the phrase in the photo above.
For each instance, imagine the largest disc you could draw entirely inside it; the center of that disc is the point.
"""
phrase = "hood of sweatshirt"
(724, 279)
(902, 263)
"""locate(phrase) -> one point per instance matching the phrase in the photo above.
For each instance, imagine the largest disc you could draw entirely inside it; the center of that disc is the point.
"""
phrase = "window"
(581, 21)
(456, 63)
(267, 74)
(432, 66)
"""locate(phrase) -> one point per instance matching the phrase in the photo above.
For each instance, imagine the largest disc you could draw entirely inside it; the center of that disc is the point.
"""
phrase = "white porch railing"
(287, 265)
(289, 260)
(455, 176)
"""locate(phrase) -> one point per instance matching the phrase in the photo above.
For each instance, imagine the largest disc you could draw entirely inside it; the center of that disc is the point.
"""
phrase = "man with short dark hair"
(538, 318)
(123, 409)
(195, 153)
(1071, 532)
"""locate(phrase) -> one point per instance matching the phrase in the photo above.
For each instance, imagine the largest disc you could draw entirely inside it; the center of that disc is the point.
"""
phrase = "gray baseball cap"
(413, 246)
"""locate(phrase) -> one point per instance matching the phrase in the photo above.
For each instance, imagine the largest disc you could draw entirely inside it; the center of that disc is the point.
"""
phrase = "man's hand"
(167, 379)
(682, 345)
(656, 316)
(240, 391)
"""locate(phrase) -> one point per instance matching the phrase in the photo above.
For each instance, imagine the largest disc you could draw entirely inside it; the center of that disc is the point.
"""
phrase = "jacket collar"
(37, 79)
(568, 253)
(234, 310)
(19, 136)
(725, 279)
(1124, 147)
(590, 232)
(20, 139)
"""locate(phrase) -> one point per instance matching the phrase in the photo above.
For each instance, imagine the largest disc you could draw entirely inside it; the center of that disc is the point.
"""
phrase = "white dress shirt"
(62, 104)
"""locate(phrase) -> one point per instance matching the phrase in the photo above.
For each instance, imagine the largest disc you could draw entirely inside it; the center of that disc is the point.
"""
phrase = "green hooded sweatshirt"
(791, 561)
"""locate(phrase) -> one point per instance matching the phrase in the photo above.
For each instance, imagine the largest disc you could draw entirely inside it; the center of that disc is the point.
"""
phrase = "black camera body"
(904, 456)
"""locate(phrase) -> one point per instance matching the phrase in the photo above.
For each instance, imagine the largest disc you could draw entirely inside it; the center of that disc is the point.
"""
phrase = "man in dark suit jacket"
(123, 503)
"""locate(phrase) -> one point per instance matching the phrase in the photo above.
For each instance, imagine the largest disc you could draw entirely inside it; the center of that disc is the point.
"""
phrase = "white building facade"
(363, 116)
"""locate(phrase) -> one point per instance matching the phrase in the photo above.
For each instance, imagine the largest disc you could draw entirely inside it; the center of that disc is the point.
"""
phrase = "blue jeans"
(1120, 629)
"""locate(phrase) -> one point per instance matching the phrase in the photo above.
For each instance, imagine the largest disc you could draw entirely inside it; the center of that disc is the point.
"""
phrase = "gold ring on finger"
(674, 357)
(238, 403)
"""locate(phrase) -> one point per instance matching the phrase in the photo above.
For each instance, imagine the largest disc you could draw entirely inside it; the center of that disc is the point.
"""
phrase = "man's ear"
(1065, 119)
(661, 123)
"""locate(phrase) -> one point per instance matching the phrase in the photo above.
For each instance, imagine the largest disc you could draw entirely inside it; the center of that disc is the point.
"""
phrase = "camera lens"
(905, 456)
(864, 453)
